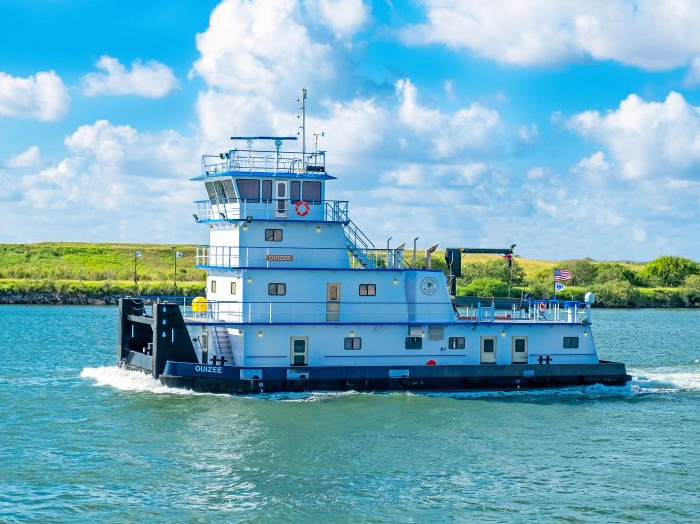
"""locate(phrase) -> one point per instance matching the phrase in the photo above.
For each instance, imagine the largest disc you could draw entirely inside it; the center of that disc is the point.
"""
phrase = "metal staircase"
(361, 247)
(223, 343)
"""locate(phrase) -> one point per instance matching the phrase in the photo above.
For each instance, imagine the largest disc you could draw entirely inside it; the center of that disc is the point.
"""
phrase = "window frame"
(266, 191)
(413, 343)
(253, 200)
(433, 332)
(276, 289)
(212, 286)
(353, 341)
(454, 343)
(368, 287)
(273, 232)
(311, 200)
(234, 287)
(295, 191)
(566, 343)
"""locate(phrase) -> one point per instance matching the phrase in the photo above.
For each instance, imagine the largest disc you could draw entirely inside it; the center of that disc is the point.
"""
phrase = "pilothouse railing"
(257, 160)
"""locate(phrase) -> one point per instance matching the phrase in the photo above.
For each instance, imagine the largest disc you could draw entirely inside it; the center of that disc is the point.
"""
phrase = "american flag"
(562, 274)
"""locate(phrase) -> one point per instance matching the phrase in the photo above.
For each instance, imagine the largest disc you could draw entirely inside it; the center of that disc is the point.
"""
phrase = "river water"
(81, 441)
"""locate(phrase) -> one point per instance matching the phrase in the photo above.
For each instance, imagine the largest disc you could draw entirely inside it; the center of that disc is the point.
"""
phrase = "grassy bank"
(54, 272)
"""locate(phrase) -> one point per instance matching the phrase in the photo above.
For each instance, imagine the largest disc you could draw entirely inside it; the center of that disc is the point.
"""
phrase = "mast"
(302, 108)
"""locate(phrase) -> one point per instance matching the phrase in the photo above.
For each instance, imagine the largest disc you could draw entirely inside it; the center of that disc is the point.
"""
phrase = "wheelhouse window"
(352, 343)
(273, 235)
(249, 189)
(267, 191)
(294, 191)
(312, 192)
(570, 342)
(414, 342)
(276, 288)
(212, 286)
(221, 191)
(233, 287)
(456, 343)
(368, 290)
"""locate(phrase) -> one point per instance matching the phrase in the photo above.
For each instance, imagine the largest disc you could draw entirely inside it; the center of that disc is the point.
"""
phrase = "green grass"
(96, 262)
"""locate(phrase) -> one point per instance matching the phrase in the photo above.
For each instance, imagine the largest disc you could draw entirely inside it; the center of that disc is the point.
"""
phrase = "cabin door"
(299, 351)
(519, 350)
(488, 350)
(281, 199)
(332, 302)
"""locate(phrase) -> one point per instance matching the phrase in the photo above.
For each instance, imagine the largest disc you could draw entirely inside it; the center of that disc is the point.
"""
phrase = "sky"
(570, 128)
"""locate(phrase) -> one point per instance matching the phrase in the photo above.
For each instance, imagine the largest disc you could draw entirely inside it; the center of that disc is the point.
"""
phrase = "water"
(81, 441)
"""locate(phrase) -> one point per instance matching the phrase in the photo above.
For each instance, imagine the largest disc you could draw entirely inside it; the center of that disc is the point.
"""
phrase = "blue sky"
(569, 128)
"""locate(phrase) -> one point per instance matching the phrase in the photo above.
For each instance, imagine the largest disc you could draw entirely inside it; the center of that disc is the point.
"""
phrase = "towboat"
(298, 298)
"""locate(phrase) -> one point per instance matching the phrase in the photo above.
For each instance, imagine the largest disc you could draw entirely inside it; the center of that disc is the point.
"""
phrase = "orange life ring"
(298, 205)
(543, 306)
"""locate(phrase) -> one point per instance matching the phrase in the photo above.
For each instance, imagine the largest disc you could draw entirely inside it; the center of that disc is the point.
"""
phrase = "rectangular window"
(414, 342)
(353, 343)
(211, 190)
(435, 332)
(456, 343)
(312, 192)
(267, 190)
(249, 189)
(233, 288)
(368, 290)
(570, 342)
(276, 288)
(220, 193)
(213, 286)
(228, 188)
(519, 345)
(273, 235)
(294, 191)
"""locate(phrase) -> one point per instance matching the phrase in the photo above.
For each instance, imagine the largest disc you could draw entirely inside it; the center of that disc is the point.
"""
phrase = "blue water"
(81, 441)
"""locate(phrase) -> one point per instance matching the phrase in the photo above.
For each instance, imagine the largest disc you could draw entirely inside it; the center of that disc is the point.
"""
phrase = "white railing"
(240, 209)
(536, 311)
(256, 160)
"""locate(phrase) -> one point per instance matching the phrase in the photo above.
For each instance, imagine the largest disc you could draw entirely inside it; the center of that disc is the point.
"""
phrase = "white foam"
(666, 379)
(124, 380)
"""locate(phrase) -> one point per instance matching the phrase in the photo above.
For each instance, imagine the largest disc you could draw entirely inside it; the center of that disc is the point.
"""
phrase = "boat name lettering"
(279, 258)
(209, 369)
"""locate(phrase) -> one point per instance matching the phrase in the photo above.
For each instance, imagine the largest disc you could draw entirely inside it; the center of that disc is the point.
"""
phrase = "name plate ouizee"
(279, 258)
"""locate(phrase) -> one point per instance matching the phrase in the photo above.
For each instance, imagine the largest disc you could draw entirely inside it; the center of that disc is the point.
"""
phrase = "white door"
(519, 350)
(281, 199)
(299, 351)
(488, 350)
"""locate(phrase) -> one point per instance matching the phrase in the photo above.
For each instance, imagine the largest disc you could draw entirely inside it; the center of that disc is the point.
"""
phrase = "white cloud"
(117, 184)
(652, 34)
(29, 158)
(536, 172)
(646, 138)
(150, 80)
(593, 164)
(260, 48)
(344, 17)
(42, 96)
(449, 133)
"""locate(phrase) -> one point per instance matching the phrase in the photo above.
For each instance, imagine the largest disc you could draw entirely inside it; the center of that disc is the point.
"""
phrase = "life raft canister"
(302, 208)
(199, 305)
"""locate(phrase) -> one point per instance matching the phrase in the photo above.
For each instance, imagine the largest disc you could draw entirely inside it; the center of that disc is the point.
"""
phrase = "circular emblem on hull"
(428, 285)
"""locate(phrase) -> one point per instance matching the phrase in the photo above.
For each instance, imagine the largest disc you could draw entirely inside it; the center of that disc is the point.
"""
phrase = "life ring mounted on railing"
(543, 306)
(302, 208)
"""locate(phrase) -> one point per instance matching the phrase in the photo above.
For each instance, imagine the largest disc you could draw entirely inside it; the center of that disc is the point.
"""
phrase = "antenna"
(302, 109)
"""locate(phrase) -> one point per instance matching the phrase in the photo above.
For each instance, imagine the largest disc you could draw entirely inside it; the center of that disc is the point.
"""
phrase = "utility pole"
(137, 254)
(178, 254)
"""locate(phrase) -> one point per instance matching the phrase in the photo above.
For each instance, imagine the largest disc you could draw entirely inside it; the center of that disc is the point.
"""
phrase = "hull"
(236, 380)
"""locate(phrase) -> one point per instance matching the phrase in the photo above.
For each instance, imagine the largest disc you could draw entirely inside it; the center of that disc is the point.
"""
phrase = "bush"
(609, 272)
(583, 272)
(497, 269)
(485, 287)
(671, 271)
(616, 293)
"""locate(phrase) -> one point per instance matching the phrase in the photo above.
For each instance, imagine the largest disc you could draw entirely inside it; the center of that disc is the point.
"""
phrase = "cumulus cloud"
(151, 79)
(593, 164)
(344, 17)
(466, 128)
(651, 34)
(42, 96)
(117, 184)
(260, 48)
(29, 158)
(646, 138)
